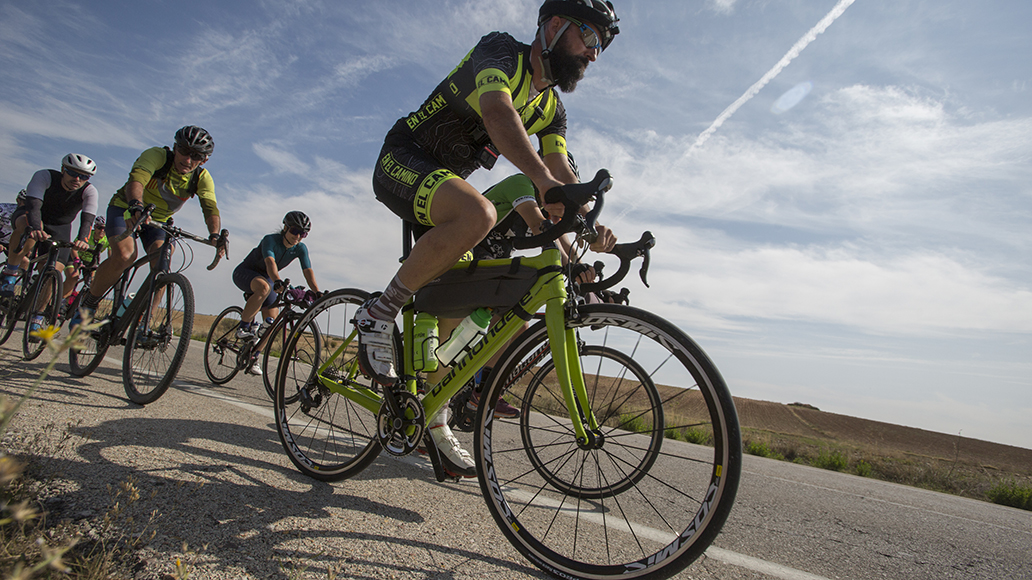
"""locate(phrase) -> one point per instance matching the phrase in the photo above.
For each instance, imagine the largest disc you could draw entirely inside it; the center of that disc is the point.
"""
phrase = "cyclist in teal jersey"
(502, 92)
(259, 272)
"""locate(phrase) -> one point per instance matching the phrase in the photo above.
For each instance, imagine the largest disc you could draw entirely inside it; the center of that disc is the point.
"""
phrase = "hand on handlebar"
(605, 241)
(79, 245)
(39, 235)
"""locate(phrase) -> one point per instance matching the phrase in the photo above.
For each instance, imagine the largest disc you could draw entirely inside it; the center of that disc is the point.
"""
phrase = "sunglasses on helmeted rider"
(298, 232)
(588, 35)
(77, 175)
(191, 153)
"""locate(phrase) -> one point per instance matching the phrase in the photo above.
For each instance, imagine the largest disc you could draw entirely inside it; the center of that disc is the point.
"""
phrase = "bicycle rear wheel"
(93, 344)
(49, 284)
(651, 491)
(222, 348)
(158, 339)
(272, 355)
(326, 435)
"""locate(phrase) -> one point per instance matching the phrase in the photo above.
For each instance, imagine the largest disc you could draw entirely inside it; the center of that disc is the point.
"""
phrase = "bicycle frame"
(549, 291)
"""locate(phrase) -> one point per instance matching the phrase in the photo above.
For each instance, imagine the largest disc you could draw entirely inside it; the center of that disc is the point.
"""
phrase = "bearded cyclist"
(502, 92)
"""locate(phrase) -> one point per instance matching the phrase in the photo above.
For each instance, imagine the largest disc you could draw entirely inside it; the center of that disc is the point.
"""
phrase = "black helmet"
(297, 219)
(597, 12)
(192, 137)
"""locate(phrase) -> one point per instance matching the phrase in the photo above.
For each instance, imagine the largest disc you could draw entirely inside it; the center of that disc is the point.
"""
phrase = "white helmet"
(79, 163)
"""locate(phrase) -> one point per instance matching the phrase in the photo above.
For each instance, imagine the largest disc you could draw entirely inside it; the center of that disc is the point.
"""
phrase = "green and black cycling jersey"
(449, 125)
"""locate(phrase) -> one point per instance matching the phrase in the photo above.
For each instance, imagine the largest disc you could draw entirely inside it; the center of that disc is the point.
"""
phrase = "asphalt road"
(226, 501)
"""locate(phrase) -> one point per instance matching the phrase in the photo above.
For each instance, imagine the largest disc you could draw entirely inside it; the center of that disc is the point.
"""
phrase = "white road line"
(725, 556)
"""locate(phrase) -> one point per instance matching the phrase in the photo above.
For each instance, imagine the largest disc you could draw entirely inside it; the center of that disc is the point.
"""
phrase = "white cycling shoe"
(375, 345)
(457, 462)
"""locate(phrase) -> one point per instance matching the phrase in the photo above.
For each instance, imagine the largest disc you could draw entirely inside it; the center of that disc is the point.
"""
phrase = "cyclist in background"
(167, 178)
(259, 273)
(6, 210)
(502, 92)
(52, 200)
(96, 244)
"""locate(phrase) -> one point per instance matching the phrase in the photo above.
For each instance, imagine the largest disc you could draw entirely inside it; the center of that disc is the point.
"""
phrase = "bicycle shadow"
(251, 511)
(211, 496)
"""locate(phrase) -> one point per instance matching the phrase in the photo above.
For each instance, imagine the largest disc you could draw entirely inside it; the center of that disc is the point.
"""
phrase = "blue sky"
(865, 250)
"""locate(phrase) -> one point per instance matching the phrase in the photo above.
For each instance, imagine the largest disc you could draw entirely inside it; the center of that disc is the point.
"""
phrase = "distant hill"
(804, 423)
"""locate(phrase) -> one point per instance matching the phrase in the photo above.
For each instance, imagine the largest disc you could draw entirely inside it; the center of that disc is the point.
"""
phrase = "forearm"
(310, 278)
(85, 225)
(133, 192)
(272, 269)
(214, 224)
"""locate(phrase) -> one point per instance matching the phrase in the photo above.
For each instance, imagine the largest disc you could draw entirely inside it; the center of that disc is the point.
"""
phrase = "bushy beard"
(567, 69)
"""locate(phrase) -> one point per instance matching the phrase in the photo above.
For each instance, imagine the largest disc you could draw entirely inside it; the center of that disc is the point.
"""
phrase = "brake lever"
(649, 242)
(223, 241)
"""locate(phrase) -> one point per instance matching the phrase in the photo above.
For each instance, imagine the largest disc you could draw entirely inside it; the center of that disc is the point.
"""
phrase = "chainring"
(401, 435)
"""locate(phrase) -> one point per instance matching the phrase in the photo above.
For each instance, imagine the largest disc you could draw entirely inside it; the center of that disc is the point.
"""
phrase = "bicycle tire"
(327, 436)
(33, 348)
(11, 306)
(148, 364)
(632, 381)
(666, 517)
(280, 337)
(93, 345)
(222, 348)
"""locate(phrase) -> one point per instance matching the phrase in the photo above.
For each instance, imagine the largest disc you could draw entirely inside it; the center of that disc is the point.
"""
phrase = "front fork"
(571, 376)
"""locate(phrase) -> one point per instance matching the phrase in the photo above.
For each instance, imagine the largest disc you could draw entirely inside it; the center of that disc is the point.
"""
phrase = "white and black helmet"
(297, 219)
(192, 137)
(79, 163)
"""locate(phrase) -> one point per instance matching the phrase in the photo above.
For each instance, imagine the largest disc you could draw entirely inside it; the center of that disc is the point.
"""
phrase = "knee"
(482, 216)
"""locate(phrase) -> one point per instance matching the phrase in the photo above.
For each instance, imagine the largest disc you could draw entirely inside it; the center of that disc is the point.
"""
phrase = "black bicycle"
(225, 355)
(154, 325)
(37, 298)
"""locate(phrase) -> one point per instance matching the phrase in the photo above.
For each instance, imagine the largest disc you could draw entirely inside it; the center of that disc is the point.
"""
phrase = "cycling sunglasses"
(588, 35)
(190, 153)
(298, 232)
(77, 175)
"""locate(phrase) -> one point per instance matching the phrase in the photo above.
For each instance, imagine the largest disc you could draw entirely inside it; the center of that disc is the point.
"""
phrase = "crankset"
(400, 432)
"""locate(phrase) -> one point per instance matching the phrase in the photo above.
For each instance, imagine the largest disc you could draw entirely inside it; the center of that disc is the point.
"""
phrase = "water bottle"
(466, 335)
(264, 326)
(424, 332)
(125, 303)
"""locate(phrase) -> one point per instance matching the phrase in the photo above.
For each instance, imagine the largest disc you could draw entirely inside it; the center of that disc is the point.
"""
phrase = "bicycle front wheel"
(650, 489)
(279, 336)
(222, 348)
(42, 311)
(93, 345)
(326, 435)
(10, 306)
(158, 339)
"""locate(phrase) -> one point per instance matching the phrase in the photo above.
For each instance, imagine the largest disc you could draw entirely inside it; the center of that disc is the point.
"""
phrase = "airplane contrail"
(793, 52)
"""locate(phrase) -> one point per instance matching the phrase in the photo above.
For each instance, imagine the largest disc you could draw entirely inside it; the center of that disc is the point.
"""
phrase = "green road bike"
(625, 460)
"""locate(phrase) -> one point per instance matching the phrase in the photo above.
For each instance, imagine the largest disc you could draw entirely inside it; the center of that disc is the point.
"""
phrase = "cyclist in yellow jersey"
(168, 178)
(502, 92)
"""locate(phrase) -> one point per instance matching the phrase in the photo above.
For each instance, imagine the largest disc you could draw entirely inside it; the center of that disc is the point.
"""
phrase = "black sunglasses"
(77, 175)
(190, 153)
(298, 232)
